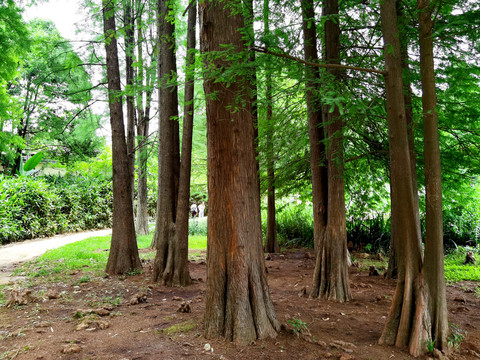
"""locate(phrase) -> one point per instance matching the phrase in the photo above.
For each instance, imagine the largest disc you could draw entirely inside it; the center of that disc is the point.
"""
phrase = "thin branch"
(338, 66)
(189, 6)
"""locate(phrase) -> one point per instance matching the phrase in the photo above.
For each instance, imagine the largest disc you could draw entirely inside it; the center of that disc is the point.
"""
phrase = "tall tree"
(405, 321)
(331, 270)
(175, 270)
(146, 76)
(129, 24)
(238, 304)
(316, 134)
(168, 158)
(404, 22)
(271, 242)
(123, 249)
(433, 265)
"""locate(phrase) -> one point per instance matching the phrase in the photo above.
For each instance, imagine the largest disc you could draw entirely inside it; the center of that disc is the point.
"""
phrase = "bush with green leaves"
(38, 207)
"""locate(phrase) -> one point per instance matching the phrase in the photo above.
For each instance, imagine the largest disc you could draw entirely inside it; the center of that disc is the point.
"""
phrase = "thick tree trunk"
(433, 266)
(238, 304)
(168, 157)
(123, 249)
(175, 270)
(407, 319)
(271, 243)
(316, 135)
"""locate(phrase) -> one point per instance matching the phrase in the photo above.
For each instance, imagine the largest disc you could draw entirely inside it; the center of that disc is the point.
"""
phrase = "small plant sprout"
(431, 345)
(457, 336)
(298, 326)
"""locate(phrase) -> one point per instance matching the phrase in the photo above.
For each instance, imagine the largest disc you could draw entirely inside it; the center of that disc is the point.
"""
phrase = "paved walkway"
(12, 255)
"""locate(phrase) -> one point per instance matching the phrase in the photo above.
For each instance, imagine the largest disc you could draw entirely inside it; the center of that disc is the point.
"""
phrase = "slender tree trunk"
(433, 266)
(392, 262)
(123, 249)
(271, 243)
(168, 157)
(253, 80)
(316, 134)
(238, 304)
(331, 269)
(175, 270)
(407, 319)
(130, 78)
(144, 78)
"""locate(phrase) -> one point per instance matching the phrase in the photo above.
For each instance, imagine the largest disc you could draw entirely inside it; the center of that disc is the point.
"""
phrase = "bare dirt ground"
(131, 318)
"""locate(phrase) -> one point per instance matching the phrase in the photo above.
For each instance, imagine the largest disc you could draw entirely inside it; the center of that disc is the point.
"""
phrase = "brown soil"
(115, 326)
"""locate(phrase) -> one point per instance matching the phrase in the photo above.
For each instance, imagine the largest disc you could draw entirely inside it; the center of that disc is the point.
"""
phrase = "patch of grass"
(197, 242)
(182, 327)
(455, 270)
(84, 279)
(90, 255)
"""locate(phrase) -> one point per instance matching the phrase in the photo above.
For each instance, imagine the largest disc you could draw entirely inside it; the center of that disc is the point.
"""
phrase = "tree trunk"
(331, 269)
(433, 265)
(146, 79)
(271, 242)
(392, 262)
(130, 77)
(175, 270)
(238, 304)
(168, 156)
(316, 134)
(168, 170)
(123, 249)
(407, 319)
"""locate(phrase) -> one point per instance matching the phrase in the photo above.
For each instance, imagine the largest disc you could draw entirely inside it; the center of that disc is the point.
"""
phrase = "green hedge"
(37, 207)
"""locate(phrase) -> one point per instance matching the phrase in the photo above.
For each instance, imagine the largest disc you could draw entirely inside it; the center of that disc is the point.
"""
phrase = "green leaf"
(33, 162)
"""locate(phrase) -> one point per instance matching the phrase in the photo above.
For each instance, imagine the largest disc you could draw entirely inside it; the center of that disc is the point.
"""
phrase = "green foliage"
(47, 206)
(294, 224)
(49, 102)
(14, 39)
(372, 234)
(457, 335)
(197, 226)
(431, 346)
(298, 325)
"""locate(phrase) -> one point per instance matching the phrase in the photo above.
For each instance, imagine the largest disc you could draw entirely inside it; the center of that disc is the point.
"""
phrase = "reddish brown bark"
(407, 318)
(123, 249)
(238, 304)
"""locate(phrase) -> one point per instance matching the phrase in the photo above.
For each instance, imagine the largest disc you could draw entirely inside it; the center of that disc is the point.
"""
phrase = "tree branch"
(338, 66)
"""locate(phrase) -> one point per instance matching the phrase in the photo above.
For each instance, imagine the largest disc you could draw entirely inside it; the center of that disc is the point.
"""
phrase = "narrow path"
(12, 255)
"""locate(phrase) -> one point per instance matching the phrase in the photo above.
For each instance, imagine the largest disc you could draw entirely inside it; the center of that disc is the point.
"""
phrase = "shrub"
(37, 207)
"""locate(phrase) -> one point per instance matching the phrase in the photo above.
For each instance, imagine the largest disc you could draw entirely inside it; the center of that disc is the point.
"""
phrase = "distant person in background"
(193, 210)
(201, 209)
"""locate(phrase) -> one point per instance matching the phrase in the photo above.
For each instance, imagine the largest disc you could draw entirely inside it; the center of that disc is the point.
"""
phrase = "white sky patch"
(64, 14)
